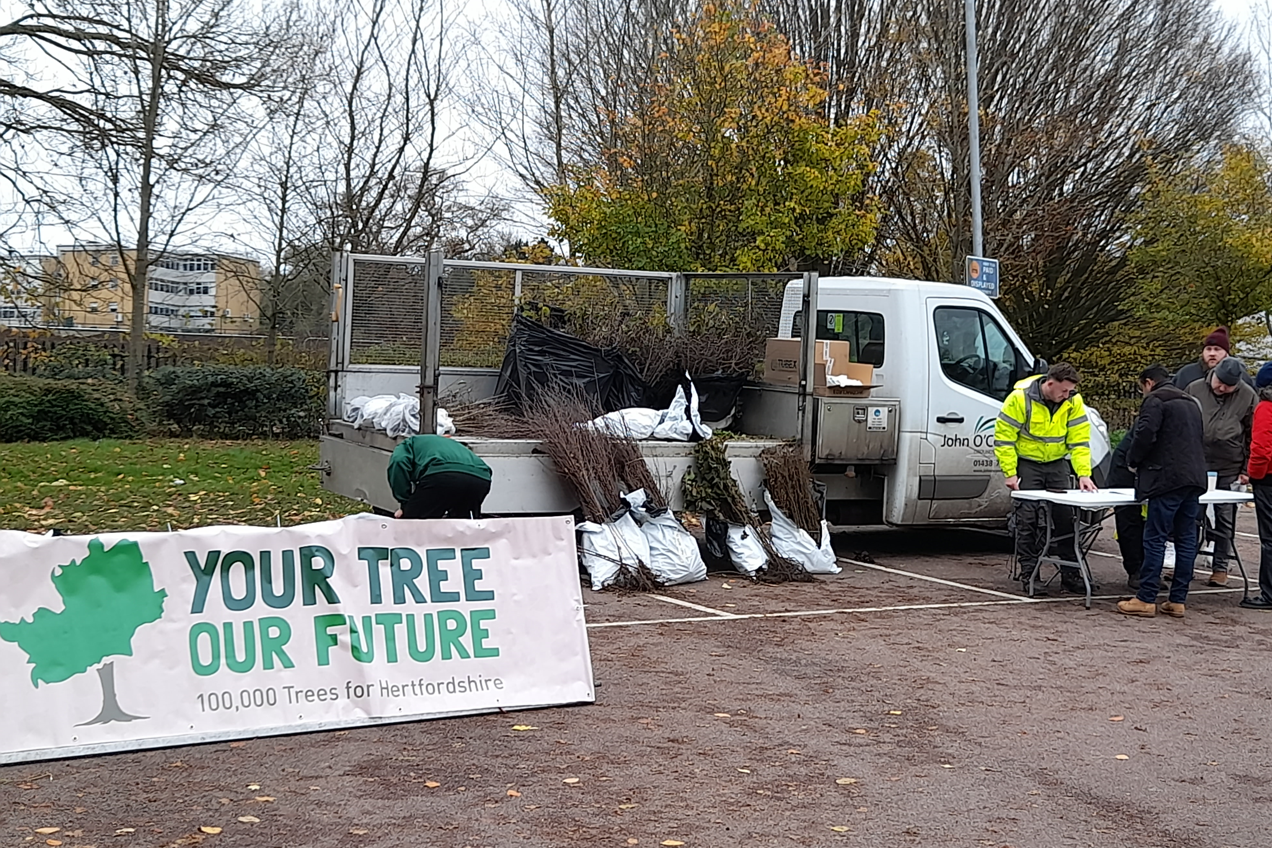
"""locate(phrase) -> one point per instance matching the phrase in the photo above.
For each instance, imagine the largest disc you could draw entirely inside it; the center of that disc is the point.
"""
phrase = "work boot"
(1040, 589)
(1134, 606)
(1071, 581)
(1218, 578)
(1172, 609)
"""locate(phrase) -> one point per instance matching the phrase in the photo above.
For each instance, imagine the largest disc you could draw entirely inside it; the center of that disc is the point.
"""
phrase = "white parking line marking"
(699, 607)
(942, 581)
(1014, 601)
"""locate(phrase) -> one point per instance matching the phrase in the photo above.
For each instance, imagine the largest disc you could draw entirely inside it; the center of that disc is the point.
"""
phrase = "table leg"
(1079, 531)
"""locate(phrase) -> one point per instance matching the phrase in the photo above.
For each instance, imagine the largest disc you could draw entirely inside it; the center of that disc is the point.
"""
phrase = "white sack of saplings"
(353, 409)
(681, 419)
(793, 542)
(445, 426)
(371, 408)
(633, 423)
(606, 547)
(401, 417)
(674, 556)
(745, 549)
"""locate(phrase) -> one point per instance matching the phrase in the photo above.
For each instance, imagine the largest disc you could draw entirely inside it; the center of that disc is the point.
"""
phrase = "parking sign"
(982, 274)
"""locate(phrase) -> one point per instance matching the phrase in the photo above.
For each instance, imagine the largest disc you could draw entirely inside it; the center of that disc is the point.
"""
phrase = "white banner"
(138, 640)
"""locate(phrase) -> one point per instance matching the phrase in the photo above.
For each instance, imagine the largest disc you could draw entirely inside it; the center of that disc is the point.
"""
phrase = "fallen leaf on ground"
(512, 793)
(960, 650)
(838, 828)
(53, 842)
(633, 842)
(744, 771)
(237, 744)
(1121, 757)
(124, 830)
(571, 780)
(860, 731)
(248, 819)
(358, 831)
(722, 715)
(45, 831)
(524, 727)
(628, 806)
(432, 784)
(846, 781)
(894, 712)
(1117, 718)
(671, 843)
(208, 829)
(265, 799)
(946, 765)
(253, 786)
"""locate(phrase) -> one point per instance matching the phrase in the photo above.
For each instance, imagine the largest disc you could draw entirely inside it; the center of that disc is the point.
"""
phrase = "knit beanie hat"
(1219, 338)
(1264, 378)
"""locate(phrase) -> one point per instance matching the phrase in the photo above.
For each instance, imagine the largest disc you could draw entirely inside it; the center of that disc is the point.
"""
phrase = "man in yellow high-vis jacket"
(1041, 430)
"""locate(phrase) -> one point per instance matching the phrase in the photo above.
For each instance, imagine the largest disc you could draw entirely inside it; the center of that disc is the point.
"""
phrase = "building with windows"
(21, 284)
(189, 292)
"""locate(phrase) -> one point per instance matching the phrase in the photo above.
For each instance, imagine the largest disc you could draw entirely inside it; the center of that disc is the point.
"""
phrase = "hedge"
(40, 410)
(231, 402)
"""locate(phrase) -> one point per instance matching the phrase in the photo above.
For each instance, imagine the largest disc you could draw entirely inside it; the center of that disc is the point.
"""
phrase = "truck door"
(974, 363)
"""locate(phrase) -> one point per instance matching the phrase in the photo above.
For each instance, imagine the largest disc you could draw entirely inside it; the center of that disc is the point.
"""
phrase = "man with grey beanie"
(1227, 414)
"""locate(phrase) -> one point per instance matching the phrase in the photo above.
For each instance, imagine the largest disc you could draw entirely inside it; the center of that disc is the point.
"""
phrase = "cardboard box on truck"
(781, 361)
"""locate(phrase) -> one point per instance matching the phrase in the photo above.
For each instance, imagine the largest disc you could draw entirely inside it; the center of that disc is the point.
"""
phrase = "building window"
(114, 306)
(92, 307)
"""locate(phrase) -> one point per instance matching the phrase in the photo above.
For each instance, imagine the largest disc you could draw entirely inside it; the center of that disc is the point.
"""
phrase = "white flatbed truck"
(944, 358)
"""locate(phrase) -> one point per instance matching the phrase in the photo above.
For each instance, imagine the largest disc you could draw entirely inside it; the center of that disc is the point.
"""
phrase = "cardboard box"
(781, 361)
(863, 373)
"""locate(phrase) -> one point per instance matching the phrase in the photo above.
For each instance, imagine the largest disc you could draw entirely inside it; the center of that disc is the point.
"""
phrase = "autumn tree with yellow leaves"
(731, 163)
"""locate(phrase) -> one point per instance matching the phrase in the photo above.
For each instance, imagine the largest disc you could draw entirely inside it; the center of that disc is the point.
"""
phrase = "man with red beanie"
(1259, 470)
(1214, 348)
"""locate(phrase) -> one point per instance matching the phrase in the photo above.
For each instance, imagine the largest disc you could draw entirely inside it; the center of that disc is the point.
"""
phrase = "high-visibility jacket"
(1026, 428)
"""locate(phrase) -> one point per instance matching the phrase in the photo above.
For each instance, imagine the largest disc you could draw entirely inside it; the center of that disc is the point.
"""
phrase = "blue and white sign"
(982, 274)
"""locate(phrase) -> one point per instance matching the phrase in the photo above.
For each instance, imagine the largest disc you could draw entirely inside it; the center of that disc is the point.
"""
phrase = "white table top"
(1105, 498)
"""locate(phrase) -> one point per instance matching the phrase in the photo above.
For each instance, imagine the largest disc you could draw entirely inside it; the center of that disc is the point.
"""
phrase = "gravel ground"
(811, 714)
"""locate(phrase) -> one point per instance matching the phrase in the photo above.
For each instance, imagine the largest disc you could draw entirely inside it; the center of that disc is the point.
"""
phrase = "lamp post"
(973, 126)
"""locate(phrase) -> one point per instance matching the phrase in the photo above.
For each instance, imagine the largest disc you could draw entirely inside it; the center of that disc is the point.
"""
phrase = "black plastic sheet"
(538, 356)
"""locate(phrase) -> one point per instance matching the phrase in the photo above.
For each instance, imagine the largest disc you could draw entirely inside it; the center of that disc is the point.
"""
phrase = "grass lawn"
(87, 487)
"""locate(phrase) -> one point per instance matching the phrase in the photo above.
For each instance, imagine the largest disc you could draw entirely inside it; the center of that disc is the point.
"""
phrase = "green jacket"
(419, 456)
(1027, 429)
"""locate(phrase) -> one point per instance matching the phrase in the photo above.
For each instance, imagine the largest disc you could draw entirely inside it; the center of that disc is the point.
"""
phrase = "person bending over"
(437, 477)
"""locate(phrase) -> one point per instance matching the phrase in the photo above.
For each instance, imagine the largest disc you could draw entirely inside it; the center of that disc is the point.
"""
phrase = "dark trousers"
(1031, 516)
(447, 494)
(1263, 512)
(1225, 525)
(1129, 521)
(1171, 514)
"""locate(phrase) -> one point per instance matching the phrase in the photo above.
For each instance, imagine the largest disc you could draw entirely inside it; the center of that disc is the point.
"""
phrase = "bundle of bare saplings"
(630, 540)
(709, 489)
(798, 530)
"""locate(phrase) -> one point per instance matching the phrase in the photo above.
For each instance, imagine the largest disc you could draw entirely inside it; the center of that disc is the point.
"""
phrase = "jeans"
(1225, 524)
(1031, 518)
(1263, 512)
(1174, 513)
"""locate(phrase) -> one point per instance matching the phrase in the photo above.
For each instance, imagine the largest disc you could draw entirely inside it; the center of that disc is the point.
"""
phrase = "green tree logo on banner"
(106, 597)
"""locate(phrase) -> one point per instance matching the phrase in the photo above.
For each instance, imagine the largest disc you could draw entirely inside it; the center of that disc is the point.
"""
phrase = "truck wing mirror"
(1040, 365)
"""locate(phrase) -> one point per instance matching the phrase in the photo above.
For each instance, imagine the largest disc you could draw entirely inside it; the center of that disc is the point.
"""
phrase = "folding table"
(1090, 510)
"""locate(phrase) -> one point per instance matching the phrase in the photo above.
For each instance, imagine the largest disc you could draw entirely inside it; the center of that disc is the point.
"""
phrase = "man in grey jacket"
(1227, 414)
